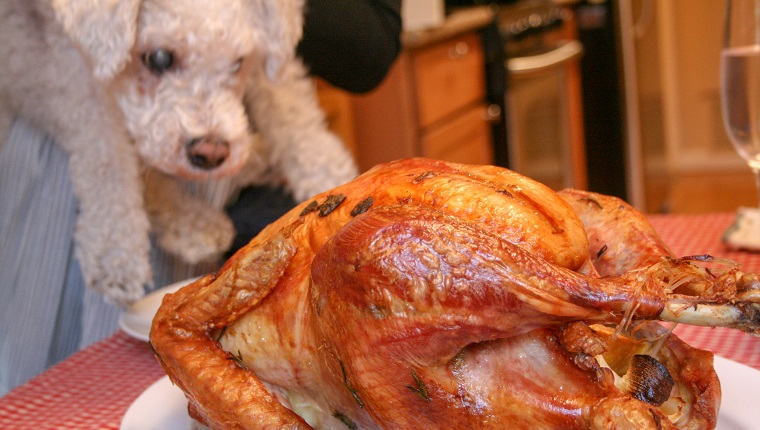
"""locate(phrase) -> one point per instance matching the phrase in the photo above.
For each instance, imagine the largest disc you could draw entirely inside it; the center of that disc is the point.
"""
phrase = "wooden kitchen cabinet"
(431, 104)
(465, 138)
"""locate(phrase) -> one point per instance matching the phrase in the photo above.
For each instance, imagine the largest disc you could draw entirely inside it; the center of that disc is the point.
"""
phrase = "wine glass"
(740, 80)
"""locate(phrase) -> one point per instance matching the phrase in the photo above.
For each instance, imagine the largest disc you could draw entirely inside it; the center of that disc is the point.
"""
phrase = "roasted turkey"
(432, 295)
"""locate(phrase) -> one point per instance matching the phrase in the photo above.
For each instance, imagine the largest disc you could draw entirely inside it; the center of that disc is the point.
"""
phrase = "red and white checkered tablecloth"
(93, 388)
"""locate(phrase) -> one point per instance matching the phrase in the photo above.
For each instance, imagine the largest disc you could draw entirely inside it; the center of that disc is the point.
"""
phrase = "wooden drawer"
(464, 139)
(448, 77)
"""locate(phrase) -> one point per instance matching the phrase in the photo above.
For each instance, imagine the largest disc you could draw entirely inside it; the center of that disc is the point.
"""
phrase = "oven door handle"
(536, 63)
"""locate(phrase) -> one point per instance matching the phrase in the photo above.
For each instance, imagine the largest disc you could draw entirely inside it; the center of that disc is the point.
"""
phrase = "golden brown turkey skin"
(433, 295)
(282, 347)
(472, 321)
(620, 238)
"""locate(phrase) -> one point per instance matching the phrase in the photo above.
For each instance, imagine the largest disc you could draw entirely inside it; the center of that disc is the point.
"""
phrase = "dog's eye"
(237, 65)
(158, 61)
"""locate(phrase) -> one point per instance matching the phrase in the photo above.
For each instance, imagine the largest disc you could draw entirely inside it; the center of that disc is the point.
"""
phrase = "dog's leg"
(112, 243)
(292, 125)
(111, 237)
(185, 225)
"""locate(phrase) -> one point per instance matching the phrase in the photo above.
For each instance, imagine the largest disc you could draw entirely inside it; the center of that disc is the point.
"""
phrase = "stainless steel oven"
(543, 100)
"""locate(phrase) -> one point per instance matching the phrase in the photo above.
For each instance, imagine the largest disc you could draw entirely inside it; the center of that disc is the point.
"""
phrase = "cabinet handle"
(567, 50)
(459, 50)
(492, 114)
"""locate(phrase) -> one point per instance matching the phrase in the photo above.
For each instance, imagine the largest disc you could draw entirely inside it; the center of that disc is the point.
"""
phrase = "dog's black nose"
(207, 152)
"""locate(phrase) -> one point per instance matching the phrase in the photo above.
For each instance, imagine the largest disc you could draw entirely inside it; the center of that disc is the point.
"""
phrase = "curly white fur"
(75, 69)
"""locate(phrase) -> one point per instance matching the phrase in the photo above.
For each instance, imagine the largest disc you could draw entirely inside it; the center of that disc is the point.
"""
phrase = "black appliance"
(603, 97)
(601, 83)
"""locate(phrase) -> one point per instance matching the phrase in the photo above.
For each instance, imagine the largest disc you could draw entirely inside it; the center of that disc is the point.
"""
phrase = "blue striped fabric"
(45, 312)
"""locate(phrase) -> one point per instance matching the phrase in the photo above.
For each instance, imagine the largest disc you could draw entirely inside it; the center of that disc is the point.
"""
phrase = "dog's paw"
(197, 236)
(119, 290)
(118, 272)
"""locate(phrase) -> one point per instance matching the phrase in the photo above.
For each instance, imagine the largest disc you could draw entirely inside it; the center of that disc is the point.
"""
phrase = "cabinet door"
(464, 139)
(448, 77)
(336, 105)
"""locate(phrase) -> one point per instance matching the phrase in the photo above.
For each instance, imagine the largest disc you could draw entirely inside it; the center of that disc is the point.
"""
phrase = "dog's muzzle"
(207, 152)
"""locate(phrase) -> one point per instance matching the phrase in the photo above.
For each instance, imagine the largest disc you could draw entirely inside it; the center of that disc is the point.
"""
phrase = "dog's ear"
(103, 29)
(281, 25)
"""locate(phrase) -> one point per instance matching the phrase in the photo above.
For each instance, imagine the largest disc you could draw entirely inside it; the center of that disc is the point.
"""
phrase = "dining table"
(93, 388)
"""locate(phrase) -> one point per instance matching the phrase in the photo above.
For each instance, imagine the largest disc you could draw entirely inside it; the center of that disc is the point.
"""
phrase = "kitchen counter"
(458, 22)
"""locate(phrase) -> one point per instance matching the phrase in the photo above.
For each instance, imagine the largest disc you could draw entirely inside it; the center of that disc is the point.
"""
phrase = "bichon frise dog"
(140, 91)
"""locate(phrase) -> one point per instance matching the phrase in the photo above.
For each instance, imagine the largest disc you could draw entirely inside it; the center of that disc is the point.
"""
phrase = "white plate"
(741, 389)
(164, 407)
(138, 317)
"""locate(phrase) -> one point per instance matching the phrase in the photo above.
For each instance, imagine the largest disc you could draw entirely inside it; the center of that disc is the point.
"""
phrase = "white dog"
(146, 91)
